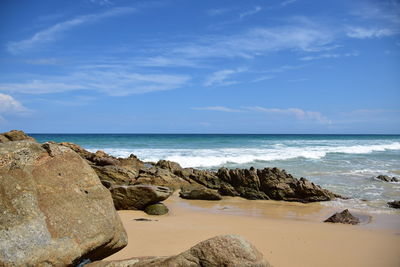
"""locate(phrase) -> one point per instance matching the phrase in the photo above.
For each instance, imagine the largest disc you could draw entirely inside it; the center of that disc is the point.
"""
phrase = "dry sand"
(288, 234)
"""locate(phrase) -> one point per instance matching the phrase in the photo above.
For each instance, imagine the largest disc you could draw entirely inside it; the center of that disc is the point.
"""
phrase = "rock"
(116, 175)
(156, 209)
(54, 210)
(15, 135)
(343, 217)
(226, 250)
(394, 204)
(138, 197)
(386, 178)
(160, 177)
(227, 190)
(271, 183)
(199, 192)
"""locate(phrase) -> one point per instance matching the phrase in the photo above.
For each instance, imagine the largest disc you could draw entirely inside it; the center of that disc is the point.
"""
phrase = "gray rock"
(386, 178)
(394, 204)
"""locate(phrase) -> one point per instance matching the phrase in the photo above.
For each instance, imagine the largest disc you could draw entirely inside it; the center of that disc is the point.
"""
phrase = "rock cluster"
(394, 204)
(343, 217)
(228, 250)
(14, 135)
(54, 210)
(386, 178)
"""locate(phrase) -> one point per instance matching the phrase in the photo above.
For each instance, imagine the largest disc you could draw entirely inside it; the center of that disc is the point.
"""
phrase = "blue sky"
(186, 66)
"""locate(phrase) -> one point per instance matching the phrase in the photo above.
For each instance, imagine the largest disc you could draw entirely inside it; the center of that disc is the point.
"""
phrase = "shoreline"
(276, 228)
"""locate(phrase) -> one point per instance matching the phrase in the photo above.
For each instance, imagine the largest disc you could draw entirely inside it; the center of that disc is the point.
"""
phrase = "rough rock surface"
(386, 178)
(156, 209)
(197, 192)
(343, 217)
(138, 197)
(54, 210)
(394, 204)
(227, 250)
(15, 135)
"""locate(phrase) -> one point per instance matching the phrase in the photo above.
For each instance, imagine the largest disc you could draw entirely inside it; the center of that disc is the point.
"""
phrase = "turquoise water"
(345, 164)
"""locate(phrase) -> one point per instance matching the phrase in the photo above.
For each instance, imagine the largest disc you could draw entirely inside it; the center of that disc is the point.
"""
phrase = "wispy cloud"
(218, 108)
(116, 82)
(288, 2)
(220, 78)
(329, 55)
(296, 112)
(10, 105)
(218, 11)
(253, 11)
(263, 78)
(368, 33)
(43, 61)
(52, 33)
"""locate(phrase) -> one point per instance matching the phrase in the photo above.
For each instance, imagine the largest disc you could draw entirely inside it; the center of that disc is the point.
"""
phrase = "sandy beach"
(288, 234)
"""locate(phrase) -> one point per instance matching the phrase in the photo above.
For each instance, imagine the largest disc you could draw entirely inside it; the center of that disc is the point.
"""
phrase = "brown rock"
(54, 210)
(343, 217)
(15, 135)
(156, 209)
(227, 250)
(386, 178)
(199, 192)
(138, 197)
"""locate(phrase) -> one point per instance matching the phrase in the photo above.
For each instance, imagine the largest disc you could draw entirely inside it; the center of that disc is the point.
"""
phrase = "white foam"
(220, 156)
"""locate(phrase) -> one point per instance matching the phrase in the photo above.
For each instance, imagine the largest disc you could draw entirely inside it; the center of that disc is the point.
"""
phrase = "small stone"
(156, 209)
(343, 217)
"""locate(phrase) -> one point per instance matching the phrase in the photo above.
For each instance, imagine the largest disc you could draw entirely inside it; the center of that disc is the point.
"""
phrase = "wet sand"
(288, 234)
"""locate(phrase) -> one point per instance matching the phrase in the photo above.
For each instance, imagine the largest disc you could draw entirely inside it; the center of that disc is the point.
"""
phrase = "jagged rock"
(54, 210)
(116, 175)
(343, 217)
(160, 177)
(394, 204)
(138, 197)
(227, 250)
(15, 135)
(227, 190)
(156, 209)
(386, 178)
(199, 192)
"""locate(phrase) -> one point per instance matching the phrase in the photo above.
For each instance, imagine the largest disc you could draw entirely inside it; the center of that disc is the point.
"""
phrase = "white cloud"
(116, 82)
(326, 56)
(10, 105)
(218, 11)
(250, 12)
(219, 78)
(52, 33)
(263, 78)
(218, 108)
(368, 33)
(296, 112)
(258, 41)
(288, 2)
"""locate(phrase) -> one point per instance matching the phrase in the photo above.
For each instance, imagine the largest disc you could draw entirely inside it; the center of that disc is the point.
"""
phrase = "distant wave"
(221, 156)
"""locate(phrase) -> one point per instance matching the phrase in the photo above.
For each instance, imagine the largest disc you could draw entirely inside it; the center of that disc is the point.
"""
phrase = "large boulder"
(15, 135)
(54, 210)
(138, 197)
(343, 217)
(199, 192)
(158, 176)
(227, 250)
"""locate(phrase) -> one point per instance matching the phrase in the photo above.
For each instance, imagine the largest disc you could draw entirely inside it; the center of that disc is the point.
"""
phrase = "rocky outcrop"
(15, 135)
(54, 210)
(271, 183)
(343, 217)
(138, 197)
(200, 193)
(156, 209)
(394, 204)
(228, 250)
(386, 178)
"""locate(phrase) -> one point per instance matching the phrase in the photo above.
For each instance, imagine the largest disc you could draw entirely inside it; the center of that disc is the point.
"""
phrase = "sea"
(345, 164)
